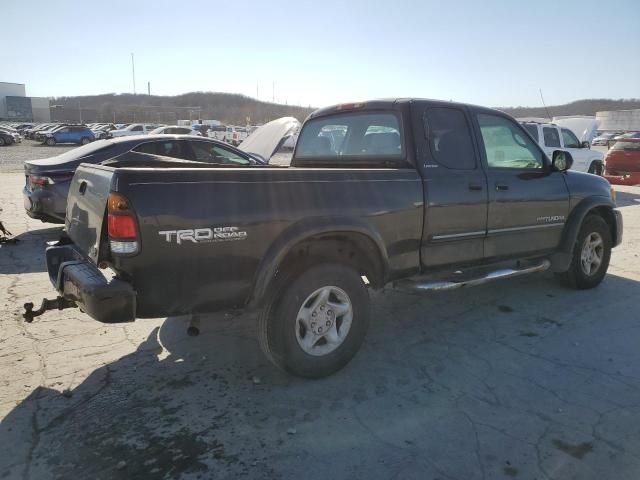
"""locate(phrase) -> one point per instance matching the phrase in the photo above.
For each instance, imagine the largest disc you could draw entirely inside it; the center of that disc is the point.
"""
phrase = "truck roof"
(390, 103)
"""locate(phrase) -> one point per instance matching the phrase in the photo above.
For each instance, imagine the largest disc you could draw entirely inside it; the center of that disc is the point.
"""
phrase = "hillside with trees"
(229, 108)
(579, 107)
(234, 109)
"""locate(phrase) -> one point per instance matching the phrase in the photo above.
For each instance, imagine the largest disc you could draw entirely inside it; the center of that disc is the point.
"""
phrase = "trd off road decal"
(204, 235)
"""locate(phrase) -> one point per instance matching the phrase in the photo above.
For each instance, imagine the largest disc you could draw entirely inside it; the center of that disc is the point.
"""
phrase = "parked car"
(31, 132)
(8, 138)
(219, 132)
(552, 137)
(622, 163)
(40, 135)
(47, 180)
(416, 192)
(626, 135)
(69, 134)
(17, 138)
(235, 135)
(133, 129)
(174, 130)
(603, 140)
(102, 131)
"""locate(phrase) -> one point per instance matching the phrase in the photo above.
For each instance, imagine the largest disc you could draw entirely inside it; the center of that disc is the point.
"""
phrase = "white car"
(133, 129)
(175, 130)
(552, 137)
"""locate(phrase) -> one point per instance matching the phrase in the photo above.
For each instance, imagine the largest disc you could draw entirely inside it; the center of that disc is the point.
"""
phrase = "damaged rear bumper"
(79, 281)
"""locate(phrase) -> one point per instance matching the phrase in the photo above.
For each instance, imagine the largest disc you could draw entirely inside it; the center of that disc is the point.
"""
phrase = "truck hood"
(584, 127)
(265, 141)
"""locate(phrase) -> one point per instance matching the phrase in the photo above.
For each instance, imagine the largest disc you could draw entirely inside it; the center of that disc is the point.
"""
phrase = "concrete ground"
(516, 379)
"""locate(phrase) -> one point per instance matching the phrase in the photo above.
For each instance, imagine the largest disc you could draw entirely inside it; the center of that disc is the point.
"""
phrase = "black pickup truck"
(418, 194)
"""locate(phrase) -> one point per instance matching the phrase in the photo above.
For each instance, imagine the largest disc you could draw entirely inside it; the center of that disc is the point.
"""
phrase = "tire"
(595, 169)
(282, 331)
(593, 227)
(2, 141)
(50, 141)
(84, 140)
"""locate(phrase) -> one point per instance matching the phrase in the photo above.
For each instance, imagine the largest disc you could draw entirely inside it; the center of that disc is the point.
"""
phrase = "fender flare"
(303, 230)
(562, 259)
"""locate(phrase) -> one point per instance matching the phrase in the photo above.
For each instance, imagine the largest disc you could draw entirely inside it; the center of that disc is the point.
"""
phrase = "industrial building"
(619, 121)
(17, 107)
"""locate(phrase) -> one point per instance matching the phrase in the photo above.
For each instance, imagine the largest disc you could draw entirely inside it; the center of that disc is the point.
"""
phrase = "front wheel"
(318, 322)
(2, 141)
(591, 255)
(596, 169)
(50, 141)
(85, 140)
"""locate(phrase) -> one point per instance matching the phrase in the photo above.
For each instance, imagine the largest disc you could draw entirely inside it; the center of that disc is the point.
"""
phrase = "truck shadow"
(626, 199)
(213, 406)
(27, 255)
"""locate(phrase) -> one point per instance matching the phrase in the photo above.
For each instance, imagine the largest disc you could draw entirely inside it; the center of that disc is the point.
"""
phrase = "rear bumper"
(75, 278)
(617, 215)
(44, 205)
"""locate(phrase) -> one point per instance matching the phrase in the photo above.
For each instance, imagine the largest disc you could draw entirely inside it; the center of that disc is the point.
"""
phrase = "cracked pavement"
(516, 379)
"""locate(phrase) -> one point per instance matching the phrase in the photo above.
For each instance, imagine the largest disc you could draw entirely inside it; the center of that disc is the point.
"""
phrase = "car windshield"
(635, 146)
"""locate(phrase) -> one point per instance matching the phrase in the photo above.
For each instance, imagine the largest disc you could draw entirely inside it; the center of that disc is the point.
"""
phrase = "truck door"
(528, 203)
(580, 155)
(455, 186)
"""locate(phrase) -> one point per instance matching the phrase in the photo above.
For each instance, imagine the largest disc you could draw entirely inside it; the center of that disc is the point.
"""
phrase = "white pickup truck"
(133, 129)
(553, 137)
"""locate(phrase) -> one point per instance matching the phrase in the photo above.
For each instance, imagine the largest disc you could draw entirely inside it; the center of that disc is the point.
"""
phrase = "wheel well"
(607, 214)
(354, 249)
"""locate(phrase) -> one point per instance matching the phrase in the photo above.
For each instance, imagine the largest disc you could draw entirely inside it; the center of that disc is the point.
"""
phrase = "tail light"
(38, 181)
(121, 225)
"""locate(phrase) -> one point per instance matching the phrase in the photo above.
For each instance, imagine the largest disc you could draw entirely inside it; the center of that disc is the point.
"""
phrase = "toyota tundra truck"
(407, 193)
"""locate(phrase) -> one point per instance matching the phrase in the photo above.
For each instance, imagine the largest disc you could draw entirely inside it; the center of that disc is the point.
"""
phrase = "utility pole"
(257, 91)
(273, 92)
(133, 73)
(80, 111)
(149, 88)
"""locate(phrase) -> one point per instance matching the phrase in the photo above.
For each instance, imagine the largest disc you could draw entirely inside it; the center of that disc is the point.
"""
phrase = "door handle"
(502, 186)
(475, 186)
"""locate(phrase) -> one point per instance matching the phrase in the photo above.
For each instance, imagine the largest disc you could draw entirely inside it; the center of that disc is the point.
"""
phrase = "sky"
(317, 53)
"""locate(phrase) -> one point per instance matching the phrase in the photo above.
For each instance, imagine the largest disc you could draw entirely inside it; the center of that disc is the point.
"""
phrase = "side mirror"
(561, 161)
(585, 144)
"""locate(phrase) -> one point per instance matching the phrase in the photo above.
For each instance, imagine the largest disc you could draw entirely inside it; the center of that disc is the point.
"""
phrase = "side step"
(422, 284)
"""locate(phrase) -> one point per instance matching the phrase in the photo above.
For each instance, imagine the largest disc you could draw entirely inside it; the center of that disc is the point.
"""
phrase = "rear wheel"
(591, 255)
(50, 141)
(2, 141)
(318, 322)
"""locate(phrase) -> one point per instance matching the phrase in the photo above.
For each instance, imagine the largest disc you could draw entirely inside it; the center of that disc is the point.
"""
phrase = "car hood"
(265, 141)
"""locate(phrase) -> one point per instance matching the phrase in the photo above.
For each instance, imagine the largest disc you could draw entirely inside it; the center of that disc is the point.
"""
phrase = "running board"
(427, 285)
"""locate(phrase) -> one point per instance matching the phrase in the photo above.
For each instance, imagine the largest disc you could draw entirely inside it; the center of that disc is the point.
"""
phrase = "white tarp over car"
(266, 140)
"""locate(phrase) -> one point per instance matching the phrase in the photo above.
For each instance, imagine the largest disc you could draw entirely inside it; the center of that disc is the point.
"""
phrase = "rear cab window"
(352, 138)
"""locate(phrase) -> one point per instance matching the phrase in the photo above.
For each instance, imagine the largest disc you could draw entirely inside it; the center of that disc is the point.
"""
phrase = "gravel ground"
(13, 156)
(520, 379)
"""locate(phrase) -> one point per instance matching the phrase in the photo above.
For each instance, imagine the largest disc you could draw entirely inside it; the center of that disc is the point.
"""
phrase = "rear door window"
(551, 137)
(137, 128)
(352, 136)
(167, 148)
(450, 138)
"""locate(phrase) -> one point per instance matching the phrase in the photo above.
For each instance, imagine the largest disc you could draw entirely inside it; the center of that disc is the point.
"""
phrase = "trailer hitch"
(58, 303)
